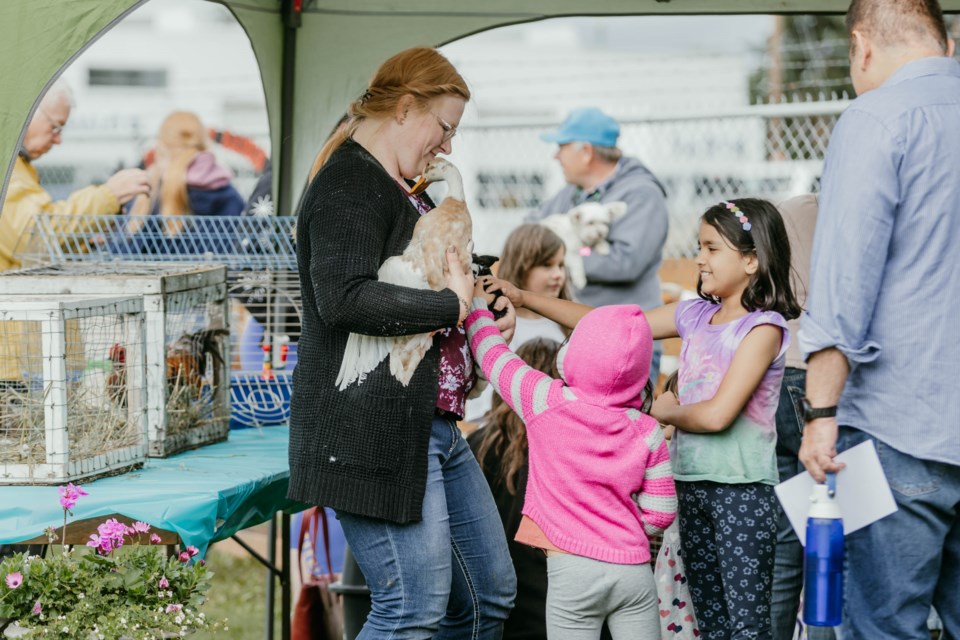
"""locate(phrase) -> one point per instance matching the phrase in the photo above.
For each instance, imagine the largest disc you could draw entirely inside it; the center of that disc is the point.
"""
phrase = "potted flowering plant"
(123, 585)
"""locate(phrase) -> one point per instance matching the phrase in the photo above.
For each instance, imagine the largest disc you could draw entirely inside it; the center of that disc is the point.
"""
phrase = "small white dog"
(586, 225)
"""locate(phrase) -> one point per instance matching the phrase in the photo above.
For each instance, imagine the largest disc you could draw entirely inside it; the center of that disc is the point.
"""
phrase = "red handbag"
(318, 614)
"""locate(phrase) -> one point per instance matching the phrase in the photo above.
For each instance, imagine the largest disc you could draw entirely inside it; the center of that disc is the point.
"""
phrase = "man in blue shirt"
(884, 304)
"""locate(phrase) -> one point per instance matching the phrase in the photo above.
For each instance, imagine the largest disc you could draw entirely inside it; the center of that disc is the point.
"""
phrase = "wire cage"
(187, 355)
(71, 408)
(262, 285)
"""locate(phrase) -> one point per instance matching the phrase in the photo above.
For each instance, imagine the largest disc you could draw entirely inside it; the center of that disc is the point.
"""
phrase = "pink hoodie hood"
(608, 356)
(205, 173)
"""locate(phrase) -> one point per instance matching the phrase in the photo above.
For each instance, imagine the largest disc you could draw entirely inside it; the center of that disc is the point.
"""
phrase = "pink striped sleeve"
(658, 496)
(527, 390)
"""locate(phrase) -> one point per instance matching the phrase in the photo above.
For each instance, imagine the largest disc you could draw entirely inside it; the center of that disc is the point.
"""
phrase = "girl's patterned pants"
(728, 534)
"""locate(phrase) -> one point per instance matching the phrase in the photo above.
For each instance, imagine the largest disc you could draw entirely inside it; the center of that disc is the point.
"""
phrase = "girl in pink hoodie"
(600, 482)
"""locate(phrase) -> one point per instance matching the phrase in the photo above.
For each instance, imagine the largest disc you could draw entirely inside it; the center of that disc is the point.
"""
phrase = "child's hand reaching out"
(490, 284)
(663, 407)
(500, 306)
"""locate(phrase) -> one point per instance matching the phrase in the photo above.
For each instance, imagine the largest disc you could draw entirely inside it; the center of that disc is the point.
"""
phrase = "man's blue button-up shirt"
(885, 271)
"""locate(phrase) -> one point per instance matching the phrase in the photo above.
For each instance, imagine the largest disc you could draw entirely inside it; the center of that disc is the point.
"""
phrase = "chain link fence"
(771, 151)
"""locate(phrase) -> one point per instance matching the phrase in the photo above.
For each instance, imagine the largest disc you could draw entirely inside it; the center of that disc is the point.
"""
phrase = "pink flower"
(37, 608)
(184, 556)
(69, 495)
(102, 544)
(140, 527)
(113, 532)
(192, 551)
(14, 579)
(155, 539)
(174, 608)
(163, 582)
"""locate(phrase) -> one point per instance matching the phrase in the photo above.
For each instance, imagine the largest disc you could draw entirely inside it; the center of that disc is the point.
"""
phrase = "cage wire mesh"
(187, 354)
(262, 283)
(194, 373)
(69, 408)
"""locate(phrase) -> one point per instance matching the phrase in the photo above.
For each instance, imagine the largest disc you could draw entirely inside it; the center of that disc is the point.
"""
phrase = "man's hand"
(819, 447)
(127, 184)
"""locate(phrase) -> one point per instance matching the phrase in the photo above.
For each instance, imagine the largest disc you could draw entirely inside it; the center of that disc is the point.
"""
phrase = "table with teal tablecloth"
(203, 495)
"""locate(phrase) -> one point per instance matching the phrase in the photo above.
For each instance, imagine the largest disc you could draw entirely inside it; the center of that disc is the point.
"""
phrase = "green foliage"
(239, 597)
(80, 594)
(813, 56)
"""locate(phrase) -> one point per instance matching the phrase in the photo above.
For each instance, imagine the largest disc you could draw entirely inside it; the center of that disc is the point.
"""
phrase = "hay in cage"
(186, 320)
(67, 412)
(95, 426)
(263, 286)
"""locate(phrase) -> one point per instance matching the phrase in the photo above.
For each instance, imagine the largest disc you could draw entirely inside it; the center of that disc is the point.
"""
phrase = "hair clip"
(735, 210)
(366, 96)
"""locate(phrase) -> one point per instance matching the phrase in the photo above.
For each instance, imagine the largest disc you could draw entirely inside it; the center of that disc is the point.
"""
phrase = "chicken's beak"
(420, 186)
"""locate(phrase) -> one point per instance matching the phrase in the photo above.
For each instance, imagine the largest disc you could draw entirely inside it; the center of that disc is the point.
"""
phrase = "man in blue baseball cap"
(596, 171)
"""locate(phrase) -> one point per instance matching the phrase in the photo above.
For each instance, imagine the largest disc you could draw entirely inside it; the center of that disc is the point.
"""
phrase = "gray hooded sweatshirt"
(628, 275)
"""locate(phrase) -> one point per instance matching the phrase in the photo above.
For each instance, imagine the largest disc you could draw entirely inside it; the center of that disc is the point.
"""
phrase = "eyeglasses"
(55, 127)
(448, 129)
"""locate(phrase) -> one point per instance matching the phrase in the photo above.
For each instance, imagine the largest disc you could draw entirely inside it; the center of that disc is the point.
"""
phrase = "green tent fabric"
(315, 56)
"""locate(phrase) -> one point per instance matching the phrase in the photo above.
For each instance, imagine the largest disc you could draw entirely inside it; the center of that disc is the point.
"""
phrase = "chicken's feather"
(363, 353)
(423, 265)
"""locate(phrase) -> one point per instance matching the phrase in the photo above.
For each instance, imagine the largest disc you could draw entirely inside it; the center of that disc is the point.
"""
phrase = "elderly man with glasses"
(25, 197)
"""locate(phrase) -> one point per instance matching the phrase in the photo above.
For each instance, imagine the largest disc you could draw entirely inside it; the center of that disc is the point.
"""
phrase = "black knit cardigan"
(362, 450)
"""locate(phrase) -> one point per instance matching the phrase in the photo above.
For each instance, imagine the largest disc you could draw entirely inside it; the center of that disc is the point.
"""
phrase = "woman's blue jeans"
(448, 576)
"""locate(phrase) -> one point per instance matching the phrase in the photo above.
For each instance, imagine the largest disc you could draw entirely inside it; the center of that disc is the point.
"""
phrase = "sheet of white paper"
(862, 491)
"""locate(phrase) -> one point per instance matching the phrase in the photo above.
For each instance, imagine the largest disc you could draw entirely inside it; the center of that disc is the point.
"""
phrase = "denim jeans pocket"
(796, 400)
(907, 475)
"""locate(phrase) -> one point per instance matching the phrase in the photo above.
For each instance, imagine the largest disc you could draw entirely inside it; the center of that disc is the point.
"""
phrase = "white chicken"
(422, 265)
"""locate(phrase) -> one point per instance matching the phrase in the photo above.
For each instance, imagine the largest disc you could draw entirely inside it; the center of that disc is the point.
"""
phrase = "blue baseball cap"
(586, 125)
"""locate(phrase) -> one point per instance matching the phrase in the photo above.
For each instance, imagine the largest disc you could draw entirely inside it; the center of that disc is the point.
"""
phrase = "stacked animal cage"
(187, 355)
(262, 285)
(67, 413)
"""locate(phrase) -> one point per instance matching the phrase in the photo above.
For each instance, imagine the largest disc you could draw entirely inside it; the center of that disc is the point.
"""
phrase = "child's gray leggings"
(582, 593)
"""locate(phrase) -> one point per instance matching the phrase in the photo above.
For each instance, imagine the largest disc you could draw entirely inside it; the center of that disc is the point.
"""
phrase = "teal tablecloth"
(203, 495)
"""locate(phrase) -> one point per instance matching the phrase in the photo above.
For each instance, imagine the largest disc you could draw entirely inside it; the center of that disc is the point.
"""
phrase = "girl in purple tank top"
(723, 452)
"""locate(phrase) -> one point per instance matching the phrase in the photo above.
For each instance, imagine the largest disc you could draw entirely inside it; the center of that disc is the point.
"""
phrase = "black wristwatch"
(809, 413)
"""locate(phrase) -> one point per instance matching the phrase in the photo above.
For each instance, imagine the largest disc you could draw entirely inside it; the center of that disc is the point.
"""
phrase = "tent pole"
(291, 22)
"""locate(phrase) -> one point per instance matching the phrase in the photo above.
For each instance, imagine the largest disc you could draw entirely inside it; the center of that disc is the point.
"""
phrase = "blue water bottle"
(823, 558)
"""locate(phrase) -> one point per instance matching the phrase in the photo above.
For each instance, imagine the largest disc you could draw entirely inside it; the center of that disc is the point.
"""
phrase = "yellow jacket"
(20, 341)
(26, 198)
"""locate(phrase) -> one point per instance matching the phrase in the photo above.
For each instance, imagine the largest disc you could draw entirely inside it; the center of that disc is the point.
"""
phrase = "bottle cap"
(823, 504)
